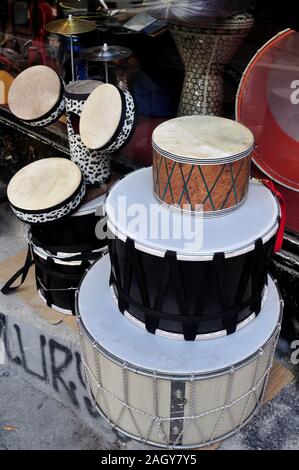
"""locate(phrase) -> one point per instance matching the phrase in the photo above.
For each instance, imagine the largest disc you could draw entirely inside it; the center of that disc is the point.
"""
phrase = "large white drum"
(169, 393)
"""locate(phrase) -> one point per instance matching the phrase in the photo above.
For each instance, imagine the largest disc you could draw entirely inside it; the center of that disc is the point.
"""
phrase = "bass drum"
(170, 394)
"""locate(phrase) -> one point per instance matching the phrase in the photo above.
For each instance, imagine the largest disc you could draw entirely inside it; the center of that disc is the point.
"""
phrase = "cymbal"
(105, 53)
(71, 25)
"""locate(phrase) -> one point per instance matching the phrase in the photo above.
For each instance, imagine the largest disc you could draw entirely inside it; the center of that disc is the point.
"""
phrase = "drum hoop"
(145, 372)
(202, 162)
(57, 206)
(202, 214)
(240, 93)
(62, 258)
(52, 110)
(191, 256)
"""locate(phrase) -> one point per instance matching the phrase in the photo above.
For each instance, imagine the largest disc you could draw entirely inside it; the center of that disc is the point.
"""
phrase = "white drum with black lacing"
(37, 96)
(186, 277)
(169, 393)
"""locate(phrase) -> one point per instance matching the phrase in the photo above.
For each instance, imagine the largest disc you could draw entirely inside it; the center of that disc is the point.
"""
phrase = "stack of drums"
(94, 164)
(180, 325)
(50, 195)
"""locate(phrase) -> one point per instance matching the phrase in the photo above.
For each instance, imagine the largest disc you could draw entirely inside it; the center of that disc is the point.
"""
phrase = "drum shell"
(213, 189)
(197, 280)
(158, 405)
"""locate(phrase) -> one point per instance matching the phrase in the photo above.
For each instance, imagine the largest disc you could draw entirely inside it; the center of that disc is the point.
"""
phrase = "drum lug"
(178, 402)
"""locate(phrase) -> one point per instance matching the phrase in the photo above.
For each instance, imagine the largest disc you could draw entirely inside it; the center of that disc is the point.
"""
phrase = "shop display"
(36, 96)
(190, 286)
(267, 103)
(95, 165)
(169, 393)
(202, 163)
(46, 190)
(108, 119)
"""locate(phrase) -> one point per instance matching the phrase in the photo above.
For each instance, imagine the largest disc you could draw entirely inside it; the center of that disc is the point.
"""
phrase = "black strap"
(84, 248)
(8, 288)
(49, 270)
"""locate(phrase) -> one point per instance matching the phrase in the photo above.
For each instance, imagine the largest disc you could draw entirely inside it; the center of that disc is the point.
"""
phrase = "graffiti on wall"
(55, 361)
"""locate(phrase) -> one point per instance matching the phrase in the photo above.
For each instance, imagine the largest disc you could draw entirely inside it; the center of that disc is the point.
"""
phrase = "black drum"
(184, 276)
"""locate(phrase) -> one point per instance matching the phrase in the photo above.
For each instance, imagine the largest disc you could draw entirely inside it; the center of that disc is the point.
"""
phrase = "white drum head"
(101, 116)
(232, 233)
(204, 138)
(127, 342)
(90, 207)
(44, 184)
(34, 93)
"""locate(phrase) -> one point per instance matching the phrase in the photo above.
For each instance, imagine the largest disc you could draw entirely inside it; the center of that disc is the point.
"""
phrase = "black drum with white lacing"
(108, 119)
(188, 277)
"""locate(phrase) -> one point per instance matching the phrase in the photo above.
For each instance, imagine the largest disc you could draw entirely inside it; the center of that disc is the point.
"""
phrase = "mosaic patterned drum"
(168, 394)
(108, 119)
(36, 96)
(204, 50)
(185, 277)
(95, 165)
(46, 190)
(202, 164)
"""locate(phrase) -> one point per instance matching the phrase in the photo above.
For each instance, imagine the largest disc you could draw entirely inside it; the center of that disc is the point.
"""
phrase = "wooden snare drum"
(166, 393)
(37, 96)
(202, 164)
(108, 119)
(46, 190)
(187, 277)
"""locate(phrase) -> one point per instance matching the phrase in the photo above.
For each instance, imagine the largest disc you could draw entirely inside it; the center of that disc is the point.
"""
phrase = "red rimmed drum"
(202, 163)
(37, 96)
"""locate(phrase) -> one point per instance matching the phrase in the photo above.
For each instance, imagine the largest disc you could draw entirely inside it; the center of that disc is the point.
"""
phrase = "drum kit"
(178, 330)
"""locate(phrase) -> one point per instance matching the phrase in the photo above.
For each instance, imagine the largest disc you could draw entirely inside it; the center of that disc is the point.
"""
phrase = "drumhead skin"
(233, 234)
(96, 130)
(128, 343)
(36, 95)
(46, 190)
(267, 102)
(202, 139)
(202, 163)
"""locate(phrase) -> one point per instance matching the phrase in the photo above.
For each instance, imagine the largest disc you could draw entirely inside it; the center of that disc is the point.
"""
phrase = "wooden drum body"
(186, 277)
(205, 49)
(95, 165)
(202, 164)
(166, 393)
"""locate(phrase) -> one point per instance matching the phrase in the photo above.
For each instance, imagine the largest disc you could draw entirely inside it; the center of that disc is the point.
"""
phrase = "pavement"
(32, 419)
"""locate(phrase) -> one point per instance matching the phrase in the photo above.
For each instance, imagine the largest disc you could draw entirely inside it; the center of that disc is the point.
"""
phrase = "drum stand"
(204, 50)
